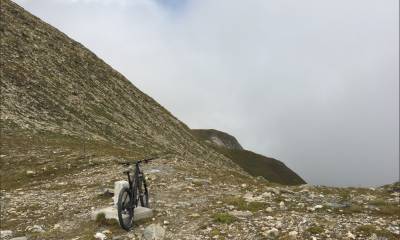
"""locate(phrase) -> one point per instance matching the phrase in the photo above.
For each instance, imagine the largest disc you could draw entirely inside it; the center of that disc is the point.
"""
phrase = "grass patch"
(366, 230)
(369, 230)
(354, 208)
(389, 210)
(240, 204)
(223, 218)
(378, 202)
(102, 221)
(315, 229)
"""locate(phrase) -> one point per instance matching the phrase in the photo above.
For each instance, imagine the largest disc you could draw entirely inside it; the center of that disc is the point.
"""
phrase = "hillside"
(55, 90)
(253, 163)
(68, 119)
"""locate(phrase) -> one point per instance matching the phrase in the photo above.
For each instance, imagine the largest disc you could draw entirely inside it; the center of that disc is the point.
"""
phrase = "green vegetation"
(354, 208)
(369, 230)
(390, 210)
(315, 229)
(242, 205)
(386, 208)
(223, 218)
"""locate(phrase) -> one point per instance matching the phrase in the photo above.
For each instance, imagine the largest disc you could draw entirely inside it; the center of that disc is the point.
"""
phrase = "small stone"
(100, 236)
(36, 228)
(315, 208)
(165, 222)
(154, 232)
(272, 234)
(282, 205)
(373, 237)
(350, 235)
(293, 235)
(243, 185)
(106, 192)
(269, 209)
(30, 172)
(56, 226)
(241, 214)
(266, 195)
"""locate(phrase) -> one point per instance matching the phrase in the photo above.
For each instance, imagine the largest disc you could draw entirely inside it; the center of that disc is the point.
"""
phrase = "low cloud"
(313, 83)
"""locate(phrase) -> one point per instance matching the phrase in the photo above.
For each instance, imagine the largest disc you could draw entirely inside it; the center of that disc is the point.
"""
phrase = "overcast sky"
(312, 83)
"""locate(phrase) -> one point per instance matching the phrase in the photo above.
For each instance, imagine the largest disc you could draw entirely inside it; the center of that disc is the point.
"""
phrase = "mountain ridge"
(255, 164)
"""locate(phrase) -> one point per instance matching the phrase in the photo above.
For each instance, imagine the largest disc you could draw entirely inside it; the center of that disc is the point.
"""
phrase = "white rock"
(293, 235)
(269, 209)
(154, 232)
(118, 185)
(100, 236)
(56, 226)
(266, 195)
(282, 205)
(5, 234)
(36, 228)
(272, 234)
(315, 207)
(30, 172)
(350, 235)
(273, 190)
(241, 214)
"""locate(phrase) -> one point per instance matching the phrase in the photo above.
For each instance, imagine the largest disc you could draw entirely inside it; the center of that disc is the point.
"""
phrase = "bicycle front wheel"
(125, 207)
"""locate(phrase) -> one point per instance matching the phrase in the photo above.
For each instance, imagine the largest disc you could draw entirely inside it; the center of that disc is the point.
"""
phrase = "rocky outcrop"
(217, 138)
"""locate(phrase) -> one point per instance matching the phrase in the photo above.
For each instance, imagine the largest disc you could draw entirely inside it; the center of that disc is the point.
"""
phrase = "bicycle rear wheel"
(125, 209)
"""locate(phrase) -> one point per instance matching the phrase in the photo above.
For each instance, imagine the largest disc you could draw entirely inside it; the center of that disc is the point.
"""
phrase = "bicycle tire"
(125, 209)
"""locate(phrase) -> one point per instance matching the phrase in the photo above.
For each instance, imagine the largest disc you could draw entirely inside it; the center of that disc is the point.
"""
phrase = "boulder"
(154, 232)
(118, 185)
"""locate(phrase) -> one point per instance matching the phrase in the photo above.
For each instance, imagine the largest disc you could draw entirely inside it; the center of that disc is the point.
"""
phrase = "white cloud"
(314, 83)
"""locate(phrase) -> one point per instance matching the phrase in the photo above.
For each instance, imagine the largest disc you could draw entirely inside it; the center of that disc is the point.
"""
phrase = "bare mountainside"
(67, 119)
(253, 163)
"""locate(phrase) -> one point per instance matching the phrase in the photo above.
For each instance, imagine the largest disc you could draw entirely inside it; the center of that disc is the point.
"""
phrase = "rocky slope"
(67, 119)
(55, 91)
(253, 163)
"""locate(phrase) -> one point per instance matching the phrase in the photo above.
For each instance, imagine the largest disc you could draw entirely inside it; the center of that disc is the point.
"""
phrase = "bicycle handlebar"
(145, 160)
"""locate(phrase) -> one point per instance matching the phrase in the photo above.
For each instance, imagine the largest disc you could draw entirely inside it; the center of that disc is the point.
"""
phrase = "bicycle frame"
(137, 178)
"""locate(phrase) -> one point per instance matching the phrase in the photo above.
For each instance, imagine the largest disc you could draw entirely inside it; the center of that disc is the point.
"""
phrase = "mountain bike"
(131, 196)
